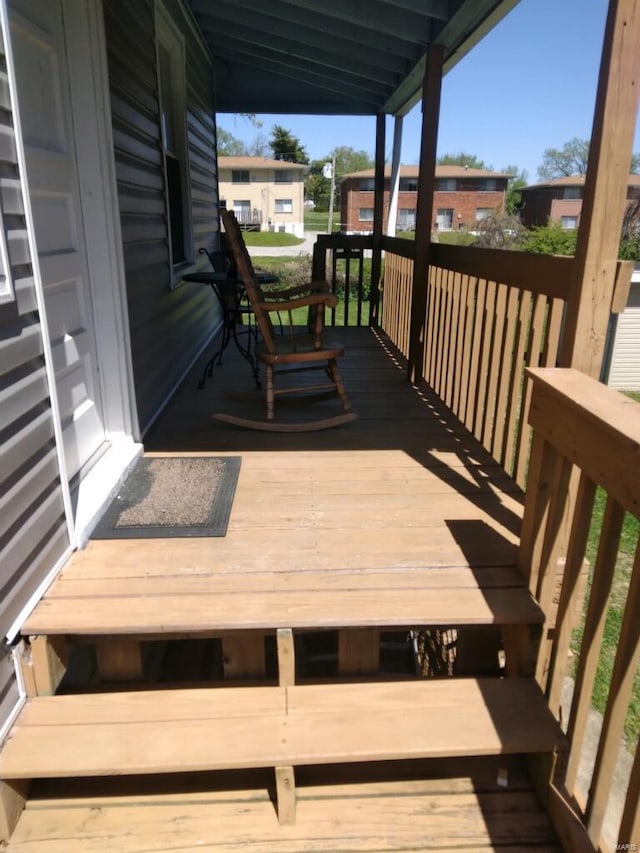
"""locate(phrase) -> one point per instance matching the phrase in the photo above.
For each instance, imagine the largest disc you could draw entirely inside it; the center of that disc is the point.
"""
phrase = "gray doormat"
(173, 497)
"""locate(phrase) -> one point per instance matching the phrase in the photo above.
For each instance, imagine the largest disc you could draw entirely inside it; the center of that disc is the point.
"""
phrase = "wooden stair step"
(360, 816)
(208, 602)
(223, 728)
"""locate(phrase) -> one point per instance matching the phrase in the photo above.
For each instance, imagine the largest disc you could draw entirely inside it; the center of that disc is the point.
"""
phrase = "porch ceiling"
(334, 57)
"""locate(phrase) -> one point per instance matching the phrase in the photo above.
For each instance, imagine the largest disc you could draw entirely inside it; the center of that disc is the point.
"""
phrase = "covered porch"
(271, 689)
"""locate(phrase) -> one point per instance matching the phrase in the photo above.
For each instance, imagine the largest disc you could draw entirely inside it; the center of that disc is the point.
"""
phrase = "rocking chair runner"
(293, 352)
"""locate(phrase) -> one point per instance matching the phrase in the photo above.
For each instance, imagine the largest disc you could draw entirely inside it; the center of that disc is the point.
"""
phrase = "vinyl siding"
(624, 372)
(33, 531)
(168, 327)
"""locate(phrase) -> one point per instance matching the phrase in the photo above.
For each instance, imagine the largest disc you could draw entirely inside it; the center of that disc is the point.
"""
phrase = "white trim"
(99, 486)
(394, 188)
(93, 134)
(172, 40)
(34, 599)
(37, 276)
(22, 692)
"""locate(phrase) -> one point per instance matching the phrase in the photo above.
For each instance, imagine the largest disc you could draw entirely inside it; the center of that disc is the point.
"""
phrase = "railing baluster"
(624, 670)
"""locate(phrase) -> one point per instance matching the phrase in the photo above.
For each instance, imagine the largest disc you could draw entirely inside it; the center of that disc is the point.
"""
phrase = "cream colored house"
(265, 194)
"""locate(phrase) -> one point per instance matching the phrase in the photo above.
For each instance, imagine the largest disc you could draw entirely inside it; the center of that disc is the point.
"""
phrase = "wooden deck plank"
(154, 732)
(358, 818)
(182, 613)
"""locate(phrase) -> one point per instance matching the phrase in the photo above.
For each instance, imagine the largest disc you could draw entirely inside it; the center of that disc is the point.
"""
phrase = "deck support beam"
(424, 211)
(286, 657)
(358, 651)
(243, 655)
(119, 660)
(286, 795)
(13, 796)
(605, 190)
(49, 661)
(378, 215)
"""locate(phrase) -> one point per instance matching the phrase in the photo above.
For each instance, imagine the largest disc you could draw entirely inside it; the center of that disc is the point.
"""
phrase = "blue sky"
(528, 86)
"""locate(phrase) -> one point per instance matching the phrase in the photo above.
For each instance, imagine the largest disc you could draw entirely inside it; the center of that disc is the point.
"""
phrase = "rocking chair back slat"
(248, 276)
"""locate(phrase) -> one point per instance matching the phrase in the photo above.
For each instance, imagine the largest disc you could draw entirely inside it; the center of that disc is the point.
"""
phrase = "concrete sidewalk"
(305, 248)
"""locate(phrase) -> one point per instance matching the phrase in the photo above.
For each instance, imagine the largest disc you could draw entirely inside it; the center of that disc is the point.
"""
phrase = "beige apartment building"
(265, 194)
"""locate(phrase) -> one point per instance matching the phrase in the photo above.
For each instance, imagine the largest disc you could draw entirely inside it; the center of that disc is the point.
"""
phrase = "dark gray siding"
(33, 531)
(168, 327)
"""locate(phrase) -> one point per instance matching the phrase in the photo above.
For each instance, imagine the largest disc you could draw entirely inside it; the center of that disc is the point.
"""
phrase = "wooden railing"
(395, 311)
(587, 434)
(490, 314)
(348, 272)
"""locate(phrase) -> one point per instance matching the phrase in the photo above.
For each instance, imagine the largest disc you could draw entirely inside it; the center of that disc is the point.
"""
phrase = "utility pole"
(332, 193)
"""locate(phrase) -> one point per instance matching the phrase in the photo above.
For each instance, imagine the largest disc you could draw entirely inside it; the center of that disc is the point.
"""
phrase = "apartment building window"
(242, 210)
(367, 185)
(446, 185)
(408, 185)
(284, 176)
(172, 94)
(284, 205)
(487, 185)
(569, 222)
(572, 192)
(240, 176)
(365, 214)
(482, 213)
(444, 218)
(406, 219)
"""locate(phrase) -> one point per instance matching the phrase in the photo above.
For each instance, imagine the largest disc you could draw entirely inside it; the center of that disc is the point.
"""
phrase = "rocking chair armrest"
(329, 300)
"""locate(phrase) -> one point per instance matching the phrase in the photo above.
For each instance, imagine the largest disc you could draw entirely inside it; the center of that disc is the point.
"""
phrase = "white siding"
(624, 372)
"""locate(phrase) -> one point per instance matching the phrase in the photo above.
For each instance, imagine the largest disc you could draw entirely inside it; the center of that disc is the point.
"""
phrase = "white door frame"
(92, 130)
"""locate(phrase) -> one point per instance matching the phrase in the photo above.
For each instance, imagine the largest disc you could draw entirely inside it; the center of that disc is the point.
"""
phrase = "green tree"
(517, 180)
(463, 159)
(348, 160)
(228, 145)
(572, 159)
(285, 146)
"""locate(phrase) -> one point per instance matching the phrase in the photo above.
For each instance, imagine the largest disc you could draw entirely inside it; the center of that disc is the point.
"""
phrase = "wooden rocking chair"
(294, 352)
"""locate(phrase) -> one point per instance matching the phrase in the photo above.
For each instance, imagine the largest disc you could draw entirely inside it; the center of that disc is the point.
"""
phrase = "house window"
(284, 177)
(242, 210)
(446, 185)
(406, 219)
(569, 222)
(172, 95)
(572, 192)
(408, 185)
(240, 176)
(284, 205)
(365, 214)
(487, 185)
(482, 213)
(367, 185)
(444, 218)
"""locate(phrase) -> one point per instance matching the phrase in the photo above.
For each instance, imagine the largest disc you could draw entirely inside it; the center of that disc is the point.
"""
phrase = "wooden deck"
(397, 523)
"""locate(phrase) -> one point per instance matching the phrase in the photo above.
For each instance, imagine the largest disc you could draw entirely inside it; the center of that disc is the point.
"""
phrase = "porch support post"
(378, 214)
(589, 305)
(395, 177)
(426, 185)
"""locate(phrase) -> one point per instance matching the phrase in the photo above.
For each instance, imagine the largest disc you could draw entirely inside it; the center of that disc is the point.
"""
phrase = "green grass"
(619, 591)
(317, 220)
(270, 238)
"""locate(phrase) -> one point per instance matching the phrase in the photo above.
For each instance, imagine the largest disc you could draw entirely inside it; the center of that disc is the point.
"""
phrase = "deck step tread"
(356, 817)
(217, 728)
(209, 601)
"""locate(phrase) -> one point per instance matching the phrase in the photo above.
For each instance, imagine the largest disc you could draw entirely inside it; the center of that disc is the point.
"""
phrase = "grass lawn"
(317, 220)
(270, 238)
(620, 588)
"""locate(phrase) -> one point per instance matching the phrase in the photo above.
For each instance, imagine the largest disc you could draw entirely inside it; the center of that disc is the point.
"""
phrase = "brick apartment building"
(560, 200)
(462, 197)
